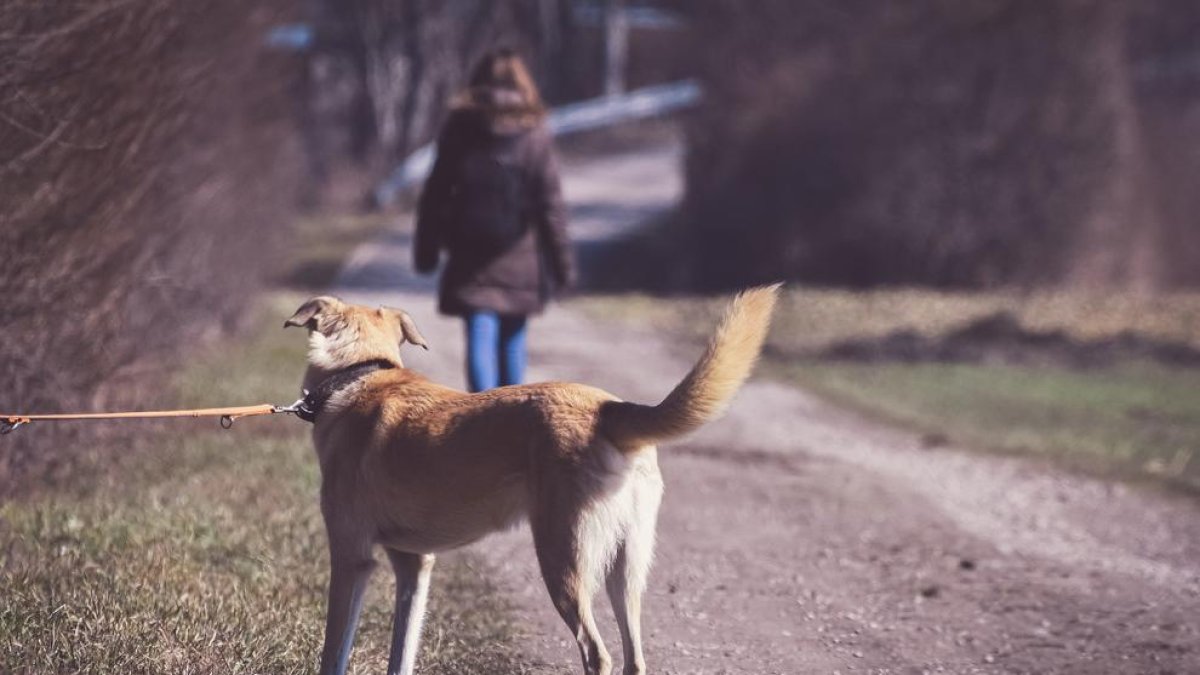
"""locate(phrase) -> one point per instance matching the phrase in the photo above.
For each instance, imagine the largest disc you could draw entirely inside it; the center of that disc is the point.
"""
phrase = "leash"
(10, 423)
(306, 408)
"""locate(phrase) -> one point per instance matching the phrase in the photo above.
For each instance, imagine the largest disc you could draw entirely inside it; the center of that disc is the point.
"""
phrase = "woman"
(493, 202)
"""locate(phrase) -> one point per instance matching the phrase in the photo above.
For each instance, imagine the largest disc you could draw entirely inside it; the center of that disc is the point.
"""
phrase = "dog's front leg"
(349, 572)
(412, 589)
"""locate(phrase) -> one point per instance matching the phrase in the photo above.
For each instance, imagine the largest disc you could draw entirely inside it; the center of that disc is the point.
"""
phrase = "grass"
(810, 319)
(1130, 419)
(209, 555)
(1136, 417)
(322, 242)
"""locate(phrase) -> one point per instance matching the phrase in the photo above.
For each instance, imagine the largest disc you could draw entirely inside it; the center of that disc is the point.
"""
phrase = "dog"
(418, 468)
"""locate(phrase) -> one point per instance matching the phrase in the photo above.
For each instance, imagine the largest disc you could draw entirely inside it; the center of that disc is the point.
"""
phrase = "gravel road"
(796, 537)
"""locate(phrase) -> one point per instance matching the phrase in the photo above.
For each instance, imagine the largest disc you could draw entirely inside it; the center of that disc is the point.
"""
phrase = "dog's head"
(341, 334)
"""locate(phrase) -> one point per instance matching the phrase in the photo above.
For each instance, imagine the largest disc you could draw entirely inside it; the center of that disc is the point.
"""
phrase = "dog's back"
(440, 468)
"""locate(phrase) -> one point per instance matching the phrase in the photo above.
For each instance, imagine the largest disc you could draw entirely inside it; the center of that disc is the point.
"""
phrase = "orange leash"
(9, 423)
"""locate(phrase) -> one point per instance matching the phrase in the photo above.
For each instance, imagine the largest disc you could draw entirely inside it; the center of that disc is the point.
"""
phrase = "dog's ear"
(310, 313)
(408, 327)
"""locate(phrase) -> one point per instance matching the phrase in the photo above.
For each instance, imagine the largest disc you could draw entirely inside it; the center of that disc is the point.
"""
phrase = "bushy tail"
(714, 379)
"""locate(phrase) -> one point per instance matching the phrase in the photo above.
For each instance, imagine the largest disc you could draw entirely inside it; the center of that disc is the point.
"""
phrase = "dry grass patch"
(210, 556)
(810, 320)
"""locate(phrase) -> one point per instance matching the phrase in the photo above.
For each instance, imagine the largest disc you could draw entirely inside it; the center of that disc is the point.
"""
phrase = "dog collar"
(314, 401)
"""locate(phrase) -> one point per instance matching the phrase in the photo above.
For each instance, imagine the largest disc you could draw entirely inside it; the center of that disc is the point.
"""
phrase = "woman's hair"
(501, 86)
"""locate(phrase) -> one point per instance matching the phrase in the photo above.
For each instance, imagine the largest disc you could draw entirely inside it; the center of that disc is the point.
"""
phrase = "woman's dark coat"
(493, 202)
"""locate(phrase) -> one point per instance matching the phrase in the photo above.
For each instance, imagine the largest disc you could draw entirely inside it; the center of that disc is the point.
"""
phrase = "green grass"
(321, 243)
(1138, 417)
(209, 556)
(1130, 419)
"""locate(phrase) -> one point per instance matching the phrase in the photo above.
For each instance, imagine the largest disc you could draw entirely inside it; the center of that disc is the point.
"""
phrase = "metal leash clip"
(299, 408)
(10, 424)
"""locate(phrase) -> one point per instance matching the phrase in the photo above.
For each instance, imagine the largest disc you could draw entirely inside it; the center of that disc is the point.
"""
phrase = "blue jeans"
(495, 350)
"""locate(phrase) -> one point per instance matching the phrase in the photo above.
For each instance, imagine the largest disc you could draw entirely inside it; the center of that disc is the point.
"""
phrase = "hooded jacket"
(493, 203)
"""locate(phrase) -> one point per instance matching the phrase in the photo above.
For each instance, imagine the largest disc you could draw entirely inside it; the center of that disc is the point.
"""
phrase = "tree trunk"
(616, 46)
(1119, 241)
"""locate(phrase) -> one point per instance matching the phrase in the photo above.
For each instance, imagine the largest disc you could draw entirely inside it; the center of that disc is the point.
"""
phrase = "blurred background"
(162, 161)
(156, 154)
(984, 209)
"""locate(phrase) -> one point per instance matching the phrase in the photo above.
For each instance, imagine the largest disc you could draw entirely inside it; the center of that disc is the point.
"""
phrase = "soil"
(796, 537)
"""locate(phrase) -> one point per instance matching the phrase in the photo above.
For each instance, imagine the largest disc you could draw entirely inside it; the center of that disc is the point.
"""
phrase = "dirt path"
(797, 538)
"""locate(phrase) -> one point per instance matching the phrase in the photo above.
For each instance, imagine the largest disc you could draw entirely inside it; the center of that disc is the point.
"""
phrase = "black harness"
(314, 401)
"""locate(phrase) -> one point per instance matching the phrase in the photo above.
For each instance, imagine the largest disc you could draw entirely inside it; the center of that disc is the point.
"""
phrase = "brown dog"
(419, 468)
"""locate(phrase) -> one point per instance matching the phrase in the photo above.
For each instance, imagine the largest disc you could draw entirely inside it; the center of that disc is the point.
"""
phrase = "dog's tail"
(714, 379)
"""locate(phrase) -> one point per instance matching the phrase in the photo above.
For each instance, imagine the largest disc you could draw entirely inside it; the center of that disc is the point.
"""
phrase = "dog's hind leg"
(572, 583)
(412, 589)
(349, 573)
(574, 603)
(627, 577)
